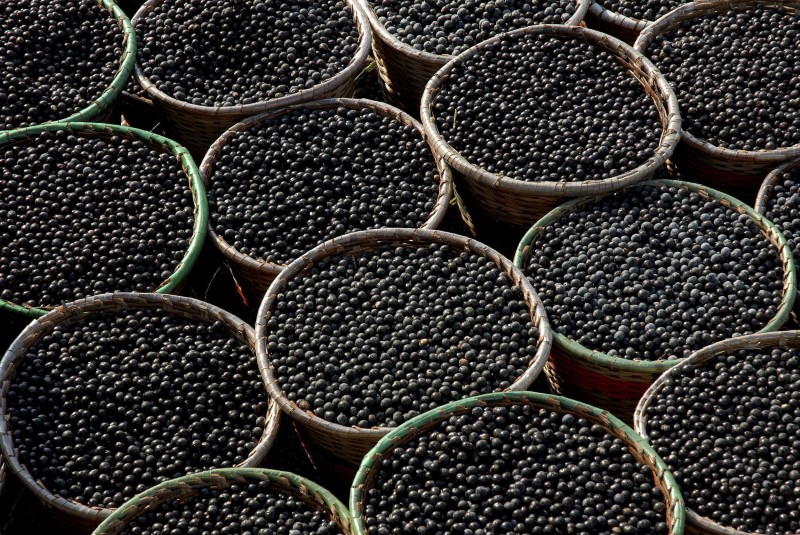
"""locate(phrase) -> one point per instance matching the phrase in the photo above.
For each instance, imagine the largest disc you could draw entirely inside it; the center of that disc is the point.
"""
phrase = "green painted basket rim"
(408, 431)
(583, 353)
(201, 213)
(127, 64)
(276, 476)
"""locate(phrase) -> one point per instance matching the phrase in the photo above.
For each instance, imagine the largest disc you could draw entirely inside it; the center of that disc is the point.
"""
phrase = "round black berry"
(541, 107)
(654, 272)
(728, 426)
(107, 404)
(513, 469)
(782, 207)
(57, 58)
(230, 52)
(83, 214)
(451, 26)
(294, 181)
(644, 10)
(736, 74)
(377, 336)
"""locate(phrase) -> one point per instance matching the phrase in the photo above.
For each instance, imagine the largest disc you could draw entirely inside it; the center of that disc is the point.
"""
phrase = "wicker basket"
(424, 423)
(737, 172)
(186, 487)
(696, 524)
(178, 278)
(197, 127)
(67, 511)
(516, 202)
(256, 275)
(2, 475)
(623, 28)
(102, 108)
(617, 383)
(351, 443)
(405, 70)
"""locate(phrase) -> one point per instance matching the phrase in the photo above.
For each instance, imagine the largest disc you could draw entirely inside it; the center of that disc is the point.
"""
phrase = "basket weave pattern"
(351, 443)
(424, 423)
(517, 202)
(617, 383)
(70, 512)
(198, 127)
(186, 487)
(696, 524)
(255, 275)
(177, 279)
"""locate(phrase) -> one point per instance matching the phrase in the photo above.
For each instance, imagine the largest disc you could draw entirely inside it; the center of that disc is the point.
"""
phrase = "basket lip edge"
(584, 354)
(765, 191)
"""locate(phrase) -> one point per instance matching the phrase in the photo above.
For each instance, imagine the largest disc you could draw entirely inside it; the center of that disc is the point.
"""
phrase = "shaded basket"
(624, 28)
(405, 70)
(617, 383)
(351, 443)
(425, 423)
(67, 511)
(696, 524)
(255, 275)
(186, 487)
(198, 126)
(178, 278)
(765, 195)
(102, 108)
(517, 202)
(737, 172)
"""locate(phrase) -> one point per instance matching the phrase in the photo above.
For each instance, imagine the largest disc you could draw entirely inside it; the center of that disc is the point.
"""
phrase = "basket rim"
(372, 238)
(584, 354)
(706, 7)
(350, 71)
(786, 339)
(400, 47)
(127, 64)
(38, 327)
(597, 10)
(671, 124)
(188, 166)
(211, 158)
(767, 187)
(415, 427)
(280, 478)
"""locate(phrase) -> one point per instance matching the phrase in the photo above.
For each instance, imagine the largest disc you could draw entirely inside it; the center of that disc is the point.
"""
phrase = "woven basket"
(405, 70)
(351, 443)
(424, 423)
(624, 28)
(102, 108)
(256, 275)
(696, 524)
(67, 511)
(178, 278)
(737, 172)
(617, 383)
(516, 202)
(186, 487)
(197, 127)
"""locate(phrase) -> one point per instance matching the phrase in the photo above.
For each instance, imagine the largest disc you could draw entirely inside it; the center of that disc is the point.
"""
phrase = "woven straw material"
(617, 383)
(255, 275)
(624, 28)
(405, 70)
(177, 280)
(351, 443)
(696, 524)
(197, 127)
(2, 476)
(737, 172)
(639, 448)
(186, 487)
(516, 202)
(68, 511)
(102, 108)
